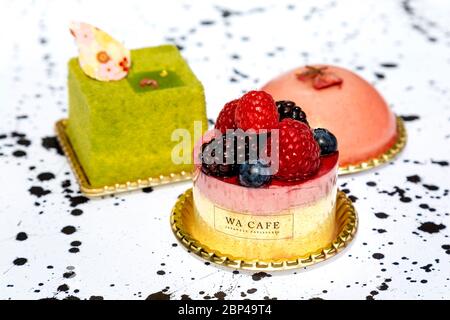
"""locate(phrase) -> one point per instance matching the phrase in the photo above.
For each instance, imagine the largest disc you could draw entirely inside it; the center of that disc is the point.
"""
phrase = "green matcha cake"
(121, 130)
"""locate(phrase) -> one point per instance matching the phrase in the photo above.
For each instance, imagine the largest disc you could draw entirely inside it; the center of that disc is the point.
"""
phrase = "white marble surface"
(125, 241)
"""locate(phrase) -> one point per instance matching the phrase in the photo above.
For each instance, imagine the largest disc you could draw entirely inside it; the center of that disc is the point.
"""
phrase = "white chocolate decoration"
(101, 57)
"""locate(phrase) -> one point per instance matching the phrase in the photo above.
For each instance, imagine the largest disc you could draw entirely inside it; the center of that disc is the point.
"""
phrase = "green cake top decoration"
(163, 64)
(154, 80)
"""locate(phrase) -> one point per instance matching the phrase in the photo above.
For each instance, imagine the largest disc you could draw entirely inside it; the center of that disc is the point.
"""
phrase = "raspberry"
(299, 153)
(256, 110)
(225, 120)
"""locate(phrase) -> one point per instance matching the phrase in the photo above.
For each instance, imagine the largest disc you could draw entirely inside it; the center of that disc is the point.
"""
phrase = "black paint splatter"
(381, 215)
(207, 22)
(19, 153)
(378, 256)
(20, 261)
(410, 118)
(147, 190)
(383, 287)
(77, 200)
(379, 75)
(69, 274)
(441, 163)
(430, 187)
(220, 295)
(389, 65)
(24, 142)
(401, 193)
(50, 143)
(427, 267)
(260, 275)
(38, 191)
(446, 247)
(68, 230)
(45, 176)
(21, 236)
(414, 179)
(431, 227)
(76, 212)
(160, 295)
(66, 183)
(64, 288)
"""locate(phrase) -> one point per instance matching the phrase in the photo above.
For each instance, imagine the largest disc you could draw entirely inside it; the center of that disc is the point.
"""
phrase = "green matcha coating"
(121, 131)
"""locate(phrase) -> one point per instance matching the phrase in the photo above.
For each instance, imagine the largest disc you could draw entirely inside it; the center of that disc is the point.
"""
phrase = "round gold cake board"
(389, 155)
(346, 222)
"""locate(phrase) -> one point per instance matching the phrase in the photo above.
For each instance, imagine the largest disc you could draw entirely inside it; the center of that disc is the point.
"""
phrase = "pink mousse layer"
(274, 198)
(355, 112)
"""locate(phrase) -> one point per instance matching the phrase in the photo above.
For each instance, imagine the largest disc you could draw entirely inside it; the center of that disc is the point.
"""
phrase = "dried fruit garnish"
(310, 73)
(321, 78)
(146, 82)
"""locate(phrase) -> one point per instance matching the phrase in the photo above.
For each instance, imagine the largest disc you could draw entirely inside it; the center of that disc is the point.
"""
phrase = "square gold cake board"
(88, 190)
(183, 216)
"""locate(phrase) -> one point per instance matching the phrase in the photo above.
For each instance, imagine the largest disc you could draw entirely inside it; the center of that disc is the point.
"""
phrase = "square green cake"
(121, 131)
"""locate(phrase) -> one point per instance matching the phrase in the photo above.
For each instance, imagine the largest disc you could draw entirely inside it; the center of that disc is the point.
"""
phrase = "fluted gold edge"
(346, 222)
(88, 190)
(389, 155)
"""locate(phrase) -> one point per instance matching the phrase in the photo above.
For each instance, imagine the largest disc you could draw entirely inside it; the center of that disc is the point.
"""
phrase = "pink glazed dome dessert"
(343, 102)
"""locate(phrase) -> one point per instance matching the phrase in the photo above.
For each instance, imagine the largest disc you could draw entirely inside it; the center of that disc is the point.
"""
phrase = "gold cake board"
(90, 191)
(389, 155)
(346, 223)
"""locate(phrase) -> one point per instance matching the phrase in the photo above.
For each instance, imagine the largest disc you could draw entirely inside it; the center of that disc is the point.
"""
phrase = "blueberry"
(254, 175)
(326, 140)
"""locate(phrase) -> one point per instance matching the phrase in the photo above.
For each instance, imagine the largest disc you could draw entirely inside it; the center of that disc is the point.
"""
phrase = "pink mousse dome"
(354, 111)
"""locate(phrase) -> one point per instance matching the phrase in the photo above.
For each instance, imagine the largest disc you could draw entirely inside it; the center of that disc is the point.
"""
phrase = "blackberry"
(222, 156)
(216, 160)
(288, 109)
(245, 146)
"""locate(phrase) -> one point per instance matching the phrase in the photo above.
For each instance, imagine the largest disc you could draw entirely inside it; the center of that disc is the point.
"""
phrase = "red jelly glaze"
(327, 163)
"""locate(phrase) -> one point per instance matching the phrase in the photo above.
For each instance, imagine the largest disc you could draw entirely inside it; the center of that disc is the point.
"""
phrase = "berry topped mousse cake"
(124, 106)
(265, 182)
